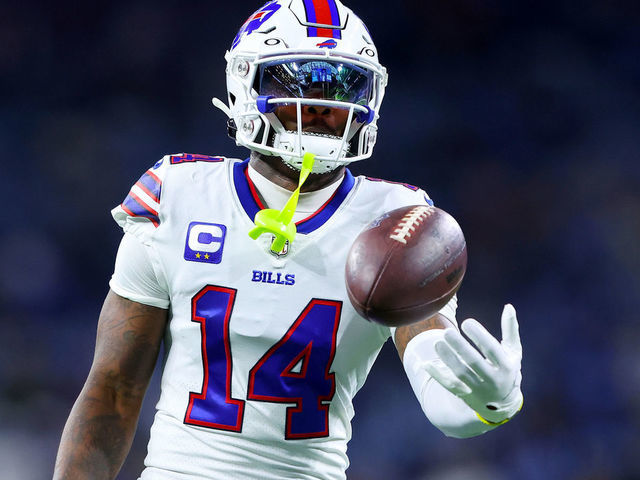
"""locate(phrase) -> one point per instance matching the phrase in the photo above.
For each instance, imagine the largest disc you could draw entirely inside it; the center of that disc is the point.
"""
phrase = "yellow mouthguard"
(280, 222)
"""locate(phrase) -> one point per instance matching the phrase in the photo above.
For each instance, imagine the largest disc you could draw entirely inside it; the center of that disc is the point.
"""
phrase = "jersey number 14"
(295, 370)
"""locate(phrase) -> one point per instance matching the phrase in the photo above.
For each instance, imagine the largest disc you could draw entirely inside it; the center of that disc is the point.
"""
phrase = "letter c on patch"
(205, 242)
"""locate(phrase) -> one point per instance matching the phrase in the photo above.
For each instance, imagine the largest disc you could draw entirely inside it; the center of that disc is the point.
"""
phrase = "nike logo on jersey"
(205, 242)
(276, 278)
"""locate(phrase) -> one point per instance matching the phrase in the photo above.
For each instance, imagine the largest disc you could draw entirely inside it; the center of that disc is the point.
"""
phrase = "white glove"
(489, 384)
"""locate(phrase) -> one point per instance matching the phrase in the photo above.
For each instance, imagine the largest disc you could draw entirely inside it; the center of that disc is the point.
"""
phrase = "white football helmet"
(306, 56)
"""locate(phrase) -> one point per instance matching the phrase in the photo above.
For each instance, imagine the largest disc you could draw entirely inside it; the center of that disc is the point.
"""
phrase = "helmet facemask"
(316, 106)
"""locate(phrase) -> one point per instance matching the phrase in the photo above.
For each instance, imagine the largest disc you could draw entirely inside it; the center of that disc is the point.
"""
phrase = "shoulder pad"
(413, 193)
(139, 212)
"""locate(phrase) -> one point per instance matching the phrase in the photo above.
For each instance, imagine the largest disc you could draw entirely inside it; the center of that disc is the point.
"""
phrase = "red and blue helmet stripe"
(324, 12)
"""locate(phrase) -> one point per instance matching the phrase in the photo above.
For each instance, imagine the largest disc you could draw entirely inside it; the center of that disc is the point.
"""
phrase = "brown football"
(406, 265)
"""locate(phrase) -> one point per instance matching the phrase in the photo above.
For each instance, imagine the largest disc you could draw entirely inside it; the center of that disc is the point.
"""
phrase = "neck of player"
(278, 172)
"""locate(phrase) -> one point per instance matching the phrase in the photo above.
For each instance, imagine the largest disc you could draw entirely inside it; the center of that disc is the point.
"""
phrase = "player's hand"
(489, 380)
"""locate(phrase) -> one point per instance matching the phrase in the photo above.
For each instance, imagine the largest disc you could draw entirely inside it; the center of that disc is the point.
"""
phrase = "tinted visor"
(325, 80)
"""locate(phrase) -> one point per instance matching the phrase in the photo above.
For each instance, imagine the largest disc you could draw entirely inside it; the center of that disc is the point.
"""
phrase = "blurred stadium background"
(521, 118)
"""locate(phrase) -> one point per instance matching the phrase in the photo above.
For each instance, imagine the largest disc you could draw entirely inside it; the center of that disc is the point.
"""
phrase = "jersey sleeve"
(140, 212)
(136, 277)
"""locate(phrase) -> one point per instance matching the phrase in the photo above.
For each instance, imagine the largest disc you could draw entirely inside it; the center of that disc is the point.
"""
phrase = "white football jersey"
(264, 352)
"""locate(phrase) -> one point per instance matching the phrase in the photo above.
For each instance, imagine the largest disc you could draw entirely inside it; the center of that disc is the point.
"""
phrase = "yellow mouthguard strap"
(280, 222)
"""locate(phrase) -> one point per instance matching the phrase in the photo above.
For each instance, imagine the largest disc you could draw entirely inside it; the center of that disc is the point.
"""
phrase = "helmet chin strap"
(322, 146)
(299, 142)
(291, 145)
(280, 222)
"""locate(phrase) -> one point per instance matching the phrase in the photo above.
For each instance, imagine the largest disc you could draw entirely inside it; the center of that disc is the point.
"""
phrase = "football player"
(264, 352)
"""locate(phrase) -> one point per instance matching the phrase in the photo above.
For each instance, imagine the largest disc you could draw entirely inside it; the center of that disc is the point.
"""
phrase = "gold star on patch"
(198, 255)
(206, 255)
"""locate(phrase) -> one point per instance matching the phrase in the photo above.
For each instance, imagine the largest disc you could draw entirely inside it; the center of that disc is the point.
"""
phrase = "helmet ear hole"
(232, 99)
(232, 129)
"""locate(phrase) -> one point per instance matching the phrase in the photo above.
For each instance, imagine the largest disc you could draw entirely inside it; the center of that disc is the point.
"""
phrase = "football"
(406, 265)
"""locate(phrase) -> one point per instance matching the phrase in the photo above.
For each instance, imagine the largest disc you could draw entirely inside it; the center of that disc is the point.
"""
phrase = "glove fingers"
(445, 377)
(459, 368)
(510, 329)
(486, 343)
(469, 355)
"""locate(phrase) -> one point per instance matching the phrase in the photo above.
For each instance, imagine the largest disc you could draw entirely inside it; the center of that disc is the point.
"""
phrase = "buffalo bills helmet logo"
(328, 44)
(255, 21)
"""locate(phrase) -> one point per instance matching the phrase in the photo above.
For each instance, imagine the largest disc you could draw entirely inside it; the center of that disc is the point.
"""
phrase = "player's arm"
(102, 423)
(403, 335)
(463, 391)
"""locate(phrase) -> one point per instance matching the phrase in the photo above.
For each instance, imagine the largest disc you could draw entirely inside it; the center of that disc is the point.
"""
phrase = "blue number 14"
(295, 370)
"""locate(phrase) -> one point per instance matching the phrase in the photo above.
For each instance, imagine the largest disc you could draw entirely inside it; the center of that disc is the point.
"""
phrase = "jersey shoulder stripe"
(136, 207)
(142, 203)
(143, 200)
(150, 184)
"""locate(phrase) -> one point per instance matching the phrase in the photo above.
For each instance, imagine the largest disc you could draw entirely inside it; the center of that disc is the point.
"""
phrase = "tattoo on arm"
(100, 428)
(98, 444)
(407, 332)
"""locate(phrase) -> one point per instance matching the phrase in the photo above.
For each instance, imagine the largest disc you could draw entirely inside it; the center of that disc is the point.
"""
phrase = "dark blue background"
(519, 117)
